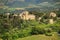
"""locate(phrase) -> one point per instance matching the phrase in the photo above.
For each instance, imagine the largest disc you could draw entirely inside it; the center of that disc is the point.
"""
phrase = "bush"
(48, 32)
(55, 27)
(59, 31)
(25, 32)
(16, 28)
(37, 31)
(15, 33)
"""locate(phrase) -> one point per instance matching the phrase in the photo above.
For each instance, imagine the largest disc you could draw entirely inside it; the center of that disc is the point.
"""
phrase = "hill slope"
(40, 37)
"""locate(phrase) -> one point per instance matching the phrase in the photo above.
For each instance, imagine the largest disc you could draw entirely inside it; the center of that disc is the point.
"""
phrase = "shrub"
(59, 31)
(15, 33)
(48, 32)
(55, 27)
(37, 31)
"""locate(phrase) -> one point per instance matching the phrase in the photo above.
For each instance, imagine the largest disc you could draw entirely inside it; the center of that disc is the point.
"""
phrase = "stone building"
(26, 16)
(7, 14)
(51, 21)
(52, 16)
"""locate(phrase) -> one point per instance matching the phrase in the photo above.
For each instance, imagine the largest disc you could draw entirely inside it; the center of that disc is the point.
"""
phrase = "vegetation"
(12, 28)
(39, 37)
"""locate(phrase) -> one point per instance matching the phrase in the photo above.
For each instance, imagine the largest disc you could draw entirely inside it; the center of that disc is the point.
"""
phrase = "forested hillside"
(30, 3)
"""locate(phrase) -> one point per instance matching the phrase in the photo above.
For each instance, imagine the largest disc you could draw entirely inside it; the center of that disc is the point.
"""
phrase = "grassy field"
(40, 37)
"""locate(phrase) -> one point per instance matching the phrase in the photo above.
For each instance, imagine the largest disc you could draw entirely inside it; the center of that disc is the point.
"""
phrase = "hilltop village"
(29, 19)
(25, 15)
(16, 24)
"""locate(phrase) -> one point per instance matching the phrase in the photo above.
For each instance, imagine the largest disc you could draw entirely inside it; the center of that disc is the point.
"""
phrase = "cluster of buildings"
(25, 15)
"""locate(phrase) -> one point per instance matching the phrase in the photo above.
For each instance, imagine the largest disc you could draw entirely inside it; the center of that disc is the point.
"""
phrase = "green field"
(40, 37)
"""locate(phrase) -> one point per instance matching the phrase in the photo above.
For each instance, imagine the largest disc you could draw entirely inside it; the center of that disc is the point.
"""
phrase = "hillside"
(31, 3)
(40, 37)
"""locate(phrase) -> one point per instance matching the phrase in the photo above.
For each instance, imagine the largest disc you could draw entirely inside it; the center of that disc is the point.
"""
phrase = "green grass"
(40, 37)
